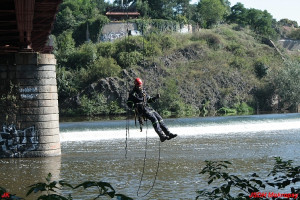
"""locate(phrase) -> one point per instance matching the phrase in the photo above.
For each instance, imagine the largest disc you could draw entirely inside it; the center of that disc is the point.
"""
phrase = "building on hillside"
(117, 28)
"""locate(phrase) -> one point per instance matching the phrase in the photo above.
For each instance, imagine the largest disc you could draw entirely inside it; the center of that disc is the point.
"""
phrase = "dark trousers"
(157, 121)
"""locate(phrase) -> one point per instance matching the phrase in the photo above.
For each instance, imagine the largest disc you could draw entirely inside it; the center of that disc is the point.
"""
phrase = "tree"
(101, 5)
(227, 4)
(89, 9)
(64, 20)
(287, 22)
(75, 12)
(295, 34)
(260, 22)
(143, 7)
(162, 9)
(65, 46)
(287, 84)
(238, 14)
(193, 13)
(211, 12)
(182, 7)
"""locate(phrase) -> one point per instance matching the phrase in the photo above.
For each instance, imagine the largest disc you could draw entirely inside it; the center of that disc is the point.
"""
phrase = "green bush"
(172, 104)
(227, 111)
(237, 49)
(260, 69)
(64, 47)
(97, 104)
(101, 68)
(167, 42)
(65, 83)
(82, 57)
(238, 108)
(152, 46)
(230, 186)
(93, 106)
(238, 62)
(126, 60)
(295, 34)
(106, 49)
(243, 108)
(130, 44)
(213, 40)
(287, 84)
(114, 108)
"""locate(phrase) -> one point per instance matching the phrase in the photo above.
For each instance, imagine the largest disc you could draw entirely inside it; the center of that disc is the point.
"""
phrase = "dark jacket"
(138, 99)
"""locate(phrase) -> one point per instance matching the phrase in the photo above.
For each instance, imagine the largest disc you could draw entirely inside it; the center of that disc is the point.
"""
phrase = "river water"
(96, 151)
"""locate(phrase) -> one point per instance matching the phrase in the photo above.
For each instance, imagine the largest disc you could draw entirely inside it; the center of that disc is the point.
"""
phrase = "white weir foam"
(205, 129)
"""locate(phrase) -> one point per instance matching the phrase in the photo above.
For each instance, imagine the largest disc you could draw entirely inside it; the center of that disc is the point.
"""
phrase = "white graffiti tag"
(31, 90)
(112, 36)
(28, 89)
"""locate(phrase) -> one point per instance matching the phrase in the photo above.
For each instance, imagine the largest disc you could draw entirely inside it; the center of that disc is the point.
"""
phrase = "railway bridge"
(28, 88)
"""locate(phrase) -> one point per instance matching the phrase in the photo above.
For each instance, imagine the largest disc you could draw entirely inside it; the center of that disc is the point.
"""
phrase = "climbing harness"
(141, 120)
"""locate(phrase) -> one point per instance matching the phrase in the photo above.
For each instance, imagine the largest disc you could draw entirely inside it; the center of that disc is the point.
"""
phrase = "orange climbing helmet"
(138, 82)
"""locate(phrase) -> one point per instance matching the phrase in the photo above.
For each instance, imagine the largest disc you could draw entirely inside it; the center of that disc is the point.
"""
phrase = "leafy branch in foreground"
(105, 189)
(52, 189)
(282, 175)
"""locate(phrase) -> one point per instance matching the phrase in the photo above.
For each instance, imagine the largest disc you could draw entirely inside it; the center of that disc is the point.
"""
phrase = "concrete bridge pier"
(37, 116)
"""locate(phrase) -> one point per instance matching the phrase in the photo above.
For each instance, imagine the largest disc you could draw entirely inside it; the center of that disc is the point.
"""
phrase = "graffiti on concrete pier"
(16, 143)
(30, 93)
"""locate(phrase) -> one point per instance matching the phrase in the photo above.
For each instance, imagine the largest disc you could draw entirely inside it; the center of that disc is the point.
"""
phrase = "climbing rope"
(127, 123)
(146, 142)
(144, 166)
(127, 110)
(127, 118)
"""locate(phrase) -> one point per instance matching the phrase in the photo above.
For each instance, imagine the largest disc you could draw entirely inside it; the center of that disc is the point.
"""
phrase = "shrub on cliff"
(287, 85)
(231, 186)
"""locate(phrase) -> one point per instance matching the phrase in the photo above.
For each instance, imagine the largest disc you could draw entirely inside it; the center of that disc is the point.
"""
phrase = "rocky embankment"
(213, 88)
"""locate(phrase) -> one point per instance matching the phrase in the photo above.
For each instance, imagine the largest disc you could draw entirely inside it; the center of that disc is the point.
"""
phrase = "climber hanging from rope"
(138, 100)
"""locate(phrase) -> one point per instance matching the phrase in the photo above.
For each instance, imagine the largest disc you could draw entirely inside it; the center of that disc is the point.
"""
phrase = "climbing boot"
(171, 135)
(162, 137)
